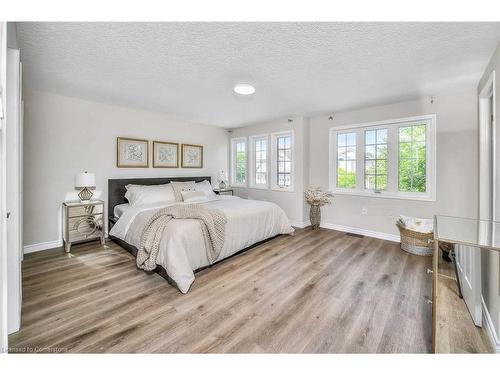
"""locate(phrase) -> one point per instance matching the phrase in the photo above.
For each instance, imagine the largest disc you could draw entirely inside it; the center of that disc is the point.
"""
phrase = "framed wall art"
(165, 154)
(132, 153)
(191, 156)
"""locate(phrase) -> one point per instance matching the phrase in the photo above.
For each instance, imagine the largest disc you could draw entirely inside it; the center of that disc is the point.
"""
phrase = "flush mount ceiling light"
(244, 89)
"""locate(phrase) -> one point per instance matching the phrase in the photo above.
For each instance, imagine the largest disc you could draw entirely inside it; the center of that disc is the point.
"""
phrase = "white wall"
(456, 127)
(64, 136)
(456, 194)
(291, 202)
(490, 260)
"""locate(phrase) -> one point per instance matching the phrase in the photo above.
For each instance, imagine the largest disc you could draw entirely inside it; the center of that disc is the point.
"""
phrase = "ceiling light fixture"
(244, 89)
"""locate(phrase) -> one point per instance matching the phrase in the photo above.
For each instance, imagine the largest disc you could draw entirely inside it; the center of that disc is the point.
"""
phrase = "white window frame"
(392, 127)
(274, 159)
(234, 141)
(253, 159)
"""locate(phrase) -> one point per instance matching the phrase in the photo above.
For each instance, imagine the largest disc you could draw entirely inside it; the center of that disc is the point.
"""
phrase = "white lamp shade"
(84, 180)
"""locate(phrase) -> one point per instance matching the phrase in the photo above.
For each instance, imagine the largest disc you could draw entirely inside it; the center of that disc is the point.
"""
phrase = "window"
(282, 164)
(284, 147)
(346, 160)
(376, 159)
(238, 162)
(412, 158)
(264, 162)
(259, 159)
(390, 159)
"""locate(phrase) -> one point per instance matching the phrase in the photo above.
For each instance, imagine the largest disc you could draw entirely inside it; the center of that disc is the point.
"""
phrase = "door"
(469, 272)
(468, 260)
(13, 189)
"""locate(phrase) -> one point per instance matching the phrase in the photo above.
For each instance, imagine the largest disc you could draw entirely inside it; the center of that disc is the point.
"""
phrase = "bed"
(182, 248)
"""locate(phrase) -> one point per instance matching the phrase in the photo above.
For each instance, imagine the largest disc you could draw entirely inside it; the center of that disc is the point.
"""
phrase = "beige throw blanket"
(213, 223)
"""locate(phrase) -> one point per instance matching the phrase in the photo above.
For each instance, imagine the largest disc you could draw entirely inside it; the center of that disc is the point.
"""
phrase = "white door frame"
(13, 136)
(3, 227)
(487, 151)
(468, 259)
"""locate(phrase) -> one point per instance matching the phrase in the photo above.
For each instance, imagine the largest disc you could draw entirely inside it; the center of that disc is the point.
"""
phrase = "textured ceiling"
(189, 69)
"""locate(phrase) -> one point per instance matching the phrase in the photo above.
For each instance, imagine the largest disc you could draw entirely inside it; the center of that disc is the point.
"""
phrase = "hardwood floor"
(317, 291)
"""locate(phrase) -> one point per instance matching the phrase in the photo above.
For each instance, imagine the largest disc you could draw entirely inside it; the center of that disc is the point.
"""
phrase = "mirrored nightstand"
(82, 221)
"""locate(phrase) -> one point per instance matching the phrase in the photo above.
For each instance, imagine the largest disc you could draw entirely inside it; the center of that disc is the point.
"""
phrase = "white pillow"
(189, 196)
(205, 187)
(180, 186)
(149, 194)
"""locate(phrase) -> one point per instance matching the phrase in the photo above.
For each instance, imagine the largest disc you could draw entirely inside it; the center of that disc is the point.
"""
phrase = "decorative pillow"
(205, 187)
(194, 196)
(149, 194)
(182, 186)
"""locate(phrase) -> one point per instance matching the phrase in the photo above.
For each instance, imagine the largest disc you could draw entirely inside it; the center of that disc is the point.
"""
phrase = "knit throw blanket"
(213, 228)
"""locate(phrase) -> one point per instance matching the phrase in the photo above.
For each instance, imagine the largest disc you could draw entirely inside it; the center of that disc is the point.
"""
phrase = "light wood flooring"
(317, 291)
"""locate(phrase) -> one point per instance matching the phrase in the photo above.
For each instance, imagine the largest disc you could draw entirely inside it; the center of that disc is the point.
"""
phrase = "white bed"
(182, 248)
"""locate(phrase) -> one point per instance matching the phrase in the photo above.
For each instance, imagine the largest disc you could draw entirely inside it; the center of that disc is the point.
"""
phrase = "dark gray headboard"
(116, 187)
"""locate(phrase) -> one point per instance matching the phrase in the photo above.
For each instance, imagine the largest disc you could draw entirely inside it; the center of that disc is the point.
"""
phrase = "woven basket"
(415, 242)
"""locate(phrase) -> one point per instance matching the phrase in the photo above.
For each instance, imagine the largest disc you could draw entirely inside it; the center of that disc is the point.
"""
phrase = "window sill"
(263, 188)
(286, 190)
(370, 194)
(258, 187)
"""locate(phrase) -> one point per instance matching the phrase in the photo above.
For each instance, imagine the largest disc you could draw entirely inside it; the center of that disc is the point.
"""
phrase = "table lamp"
(85, 181)
(222, 183)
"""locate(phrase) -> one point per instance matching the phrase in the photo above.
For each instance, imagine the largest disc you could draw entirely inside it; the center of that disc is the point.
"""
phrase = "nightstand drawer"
(84, 227)
(85, 210)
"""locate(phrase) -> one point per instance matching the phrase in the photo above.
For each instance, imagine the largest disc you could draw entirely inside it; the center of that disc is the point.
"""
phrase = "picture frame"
(191, 156)
(132, 153)
(165, 154)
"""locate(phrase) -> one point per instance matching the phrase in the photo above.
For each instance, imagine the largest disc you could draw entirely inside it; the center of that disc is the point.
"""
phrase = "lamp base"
(85, 195)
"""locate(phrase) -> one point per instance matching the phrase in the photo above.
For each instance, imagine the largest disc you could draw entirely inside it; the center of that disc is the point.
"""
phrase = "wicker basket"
(415, 242)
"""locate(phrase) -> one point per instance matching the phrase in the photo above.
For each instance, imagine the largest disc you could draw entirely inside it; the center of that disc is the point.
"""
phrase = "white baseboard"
(490, 328)
(42, 246)
(47, 245)
(299, 224)
(364, 232)
(360, 231)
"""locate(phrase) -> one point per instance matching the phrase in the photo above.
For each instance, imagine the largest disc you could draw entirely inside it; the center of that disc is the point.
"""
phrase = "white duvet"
(182, 248)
